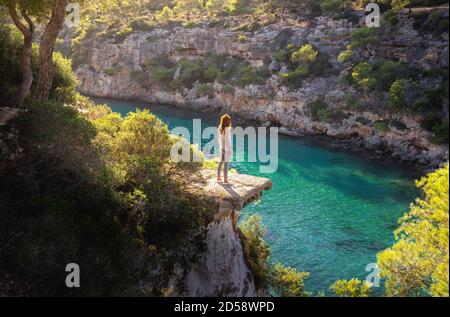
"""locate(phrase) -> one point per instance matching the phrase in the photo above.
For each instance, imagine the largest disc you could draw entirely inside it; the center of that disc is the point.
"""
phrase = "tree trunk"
(44, 84)
(25, 64)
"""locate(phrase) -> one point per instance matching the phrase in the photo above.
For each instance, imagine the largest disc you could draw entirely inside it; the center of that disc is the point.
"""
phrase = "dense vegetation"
(78, 183)
(82, 183)
(97, 188)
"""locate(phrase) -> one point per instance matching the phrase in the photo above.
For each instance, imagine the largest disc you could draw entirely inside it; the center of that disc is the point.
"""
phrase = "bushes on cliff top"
(58, 206)
(90, 191)
(137, 151)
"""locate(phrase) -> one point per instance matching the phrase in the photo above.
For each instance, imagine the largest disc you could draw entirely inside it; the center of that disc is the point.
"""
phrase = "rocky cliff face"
(272, 103)
(221, 270)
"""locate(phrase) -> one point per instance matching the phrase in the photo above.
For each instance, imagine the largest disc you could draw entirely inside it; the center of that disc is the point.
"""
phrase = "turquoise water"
(329, 212)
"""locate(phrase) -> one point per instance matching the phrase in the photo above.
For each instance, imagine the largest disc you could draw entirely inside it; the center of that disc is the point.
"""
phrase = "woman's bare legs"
(225, 171)
(219, 170)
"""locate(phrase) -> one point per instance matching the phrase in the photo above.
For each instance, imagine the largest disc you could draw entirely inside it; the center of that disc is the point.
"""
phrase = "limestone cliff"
(109, 67)
(221, 270)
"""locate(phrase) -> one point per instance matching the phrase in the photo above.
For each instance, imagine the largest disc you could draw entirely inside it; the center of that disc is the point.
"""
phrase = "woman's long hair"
(225, 122)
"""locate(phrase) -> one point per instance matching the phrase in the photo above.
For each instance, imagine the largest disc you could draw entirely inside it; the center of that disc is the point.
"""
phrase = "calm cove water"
(329, 212)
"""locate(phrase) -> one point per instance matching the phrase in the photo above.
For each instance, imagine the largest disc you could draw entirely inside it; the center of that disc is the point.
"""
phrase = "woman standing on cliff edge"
(225, 147)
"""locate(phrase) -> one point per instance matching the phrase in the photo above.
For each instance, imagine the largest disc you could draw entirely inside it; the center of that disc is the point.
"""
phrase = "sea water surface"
(329, 211)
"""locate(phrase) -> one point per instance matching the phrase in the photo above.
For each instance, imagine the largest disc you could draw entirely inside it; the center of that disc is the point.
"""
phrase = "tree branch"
(28, 20)
(15, 17)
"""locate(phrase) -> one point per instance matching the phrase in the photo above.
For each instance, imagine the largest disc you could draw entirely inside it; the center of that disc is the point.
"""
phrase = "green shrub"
(64, 80)
(255, 248)
(325, 115)
(381, 125)
(362, 37)
(389, 71)
(318, 110)
(238, 7)
(398, 92)
(163, 76)
(210, 73)
(441, 133)
(175, 85)
(242, 38)
(381, 75)
(250, 75)
(351, 288)
(435, 22)
(122, 34)
(287, 281)
(137, 151)
(138, 76)
(190, 25)
(191, 71)
(304, 55)
(319, 66)
(302, 62)
(216, 7)
(330, 6)
(353, 103)
(227, 89)
(204, 90)
(362, 75)
(399, 125)
(430, 120)
(143, 23)
(345, 55)
(390, 17)
(443, 24)
(294, 78)
(109, 71)
(283, 55)
(165, 16)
